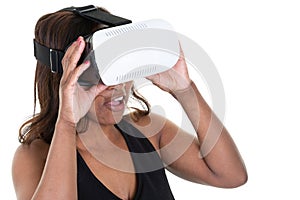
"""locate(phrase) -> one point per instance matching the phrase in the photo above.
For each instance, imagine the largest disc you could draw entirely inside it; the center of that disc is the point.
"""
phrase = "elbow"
(226, 182)
(243, 179)
(236, 181)
(230, 181)
(235, 177)
(239, 181)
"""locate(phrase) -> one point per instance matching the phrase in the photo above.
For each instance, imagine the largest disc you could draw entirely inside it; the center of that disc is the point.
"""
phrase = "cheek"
(98, 103)
(94, 110)
(128, 85)
(100, 112)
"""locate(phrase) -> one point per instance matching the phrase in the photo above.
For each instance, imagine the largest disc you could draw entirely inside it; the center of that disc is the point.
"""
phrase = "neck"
(99, 135)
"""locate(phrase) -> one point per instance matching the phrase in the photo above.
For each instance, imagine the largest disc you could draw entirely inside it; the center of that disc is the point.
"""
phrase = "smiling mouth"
(116, 104)
(117, 100)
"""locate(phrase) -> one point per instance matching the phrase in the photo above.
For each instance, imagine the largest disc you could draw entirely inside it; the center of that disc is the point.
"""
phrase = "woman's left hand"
(174, 79)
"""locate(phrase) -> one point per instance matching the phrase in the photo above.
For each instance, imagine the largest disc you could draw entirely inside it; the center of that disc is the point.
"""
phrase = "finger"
(73, 55)
(78, 71)
(153, 78)
(181, 53)
(96, 89)
(66, 58)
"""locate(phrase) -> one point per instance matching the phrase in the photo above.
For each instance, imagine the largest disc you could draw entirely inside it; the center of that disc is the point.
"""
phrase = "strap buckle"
(54, 61)
(53, 57)
(48, 56)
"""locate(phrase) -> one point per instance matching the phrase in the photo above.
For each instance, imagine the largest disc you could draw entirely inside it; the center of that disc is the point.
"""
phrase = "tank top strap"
(145, 156)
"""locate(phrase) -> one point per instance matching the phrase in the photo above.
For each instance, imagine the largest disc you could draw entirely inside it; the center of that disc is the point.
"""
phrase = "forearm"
(59, 180)
(216, 146)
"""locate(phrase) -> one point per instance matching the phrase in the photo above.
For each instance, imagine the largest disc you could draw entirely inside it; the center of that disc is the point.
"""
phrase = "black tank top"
(152, 182)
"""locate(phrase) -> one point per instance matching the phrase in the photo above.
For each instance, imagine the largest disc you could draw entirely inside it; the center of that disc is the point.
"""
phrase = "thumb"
(96, 89)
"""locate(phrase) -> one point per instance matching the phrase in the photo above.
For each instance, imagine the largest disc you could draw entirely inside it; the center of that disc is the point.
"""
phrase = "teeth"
(119, 98)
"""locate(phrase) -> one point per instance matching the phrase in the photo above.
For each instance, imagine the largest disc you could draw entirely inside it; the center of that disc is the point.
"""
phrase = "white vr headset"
(122, 52)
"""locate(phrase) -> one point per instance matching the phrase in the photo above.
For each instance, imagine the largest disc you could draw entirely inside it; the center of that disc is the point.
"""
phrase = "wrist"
(65, 125)
(186, 91)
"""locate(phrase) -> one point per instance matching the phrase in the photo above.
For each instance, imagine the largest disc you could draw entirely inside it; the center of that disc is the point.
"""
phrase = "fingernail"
(79, 40)
(87, 62)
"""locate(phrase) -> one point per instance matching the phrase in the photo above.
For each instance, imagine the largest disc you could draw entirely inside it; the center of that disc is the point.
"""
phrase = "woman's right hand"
(75, 101)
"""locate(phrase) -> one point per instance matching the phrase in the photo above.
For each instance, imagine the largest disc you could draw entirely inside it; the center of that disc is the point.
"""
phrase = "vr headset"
(122, 52)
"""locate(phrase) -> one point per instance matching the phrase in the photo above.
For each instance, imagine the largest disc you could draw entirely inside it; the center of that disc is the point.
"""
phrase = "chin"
(110, 119)
(116, 120)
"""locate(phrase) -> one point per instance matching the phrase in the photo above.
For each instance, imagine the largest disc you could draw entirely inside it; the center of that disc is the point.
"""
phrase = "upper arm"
(27, 168)
(180, 151)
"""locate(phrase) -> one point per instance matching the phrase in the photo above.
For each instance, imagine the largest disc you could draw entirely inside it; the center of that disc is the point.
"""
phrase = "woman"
(71, 149)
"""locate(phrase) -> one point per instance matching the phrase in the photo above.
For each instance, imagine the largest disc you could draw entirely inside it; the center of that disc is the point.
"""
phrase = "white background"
(255, 46)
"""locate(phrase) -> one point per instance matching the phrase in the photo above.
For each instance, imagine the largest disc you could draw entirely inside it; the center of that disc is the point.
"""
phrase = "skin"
(41, 171)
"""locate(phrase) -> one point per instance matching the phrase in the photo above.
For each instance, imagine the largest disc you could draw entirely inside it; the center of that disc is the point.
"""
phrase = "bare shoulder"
(152, 126)
(149, 125)
(37, 150)
(28, 164)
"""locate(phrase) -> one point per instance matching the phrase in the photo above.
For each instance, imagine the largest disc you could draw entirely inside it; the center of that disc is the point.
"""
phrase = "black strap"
(52, 57)
(93, 13)
(48, 56)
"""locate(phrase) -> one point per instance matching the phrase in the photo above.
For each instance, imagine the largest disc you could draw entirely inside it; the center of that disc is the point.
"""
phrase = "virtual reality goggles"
(122, 52)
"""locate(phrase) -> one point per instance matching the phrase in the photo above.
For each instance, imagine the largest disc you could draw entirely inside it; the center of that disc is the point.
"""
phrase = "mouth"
(116, 104)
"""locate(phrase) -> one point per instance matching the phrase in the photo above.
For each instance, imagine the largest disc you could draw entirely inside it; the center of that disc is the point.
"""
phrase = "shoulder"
(37, 150)
(29, 161)
(149, 125)
(153, 126)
